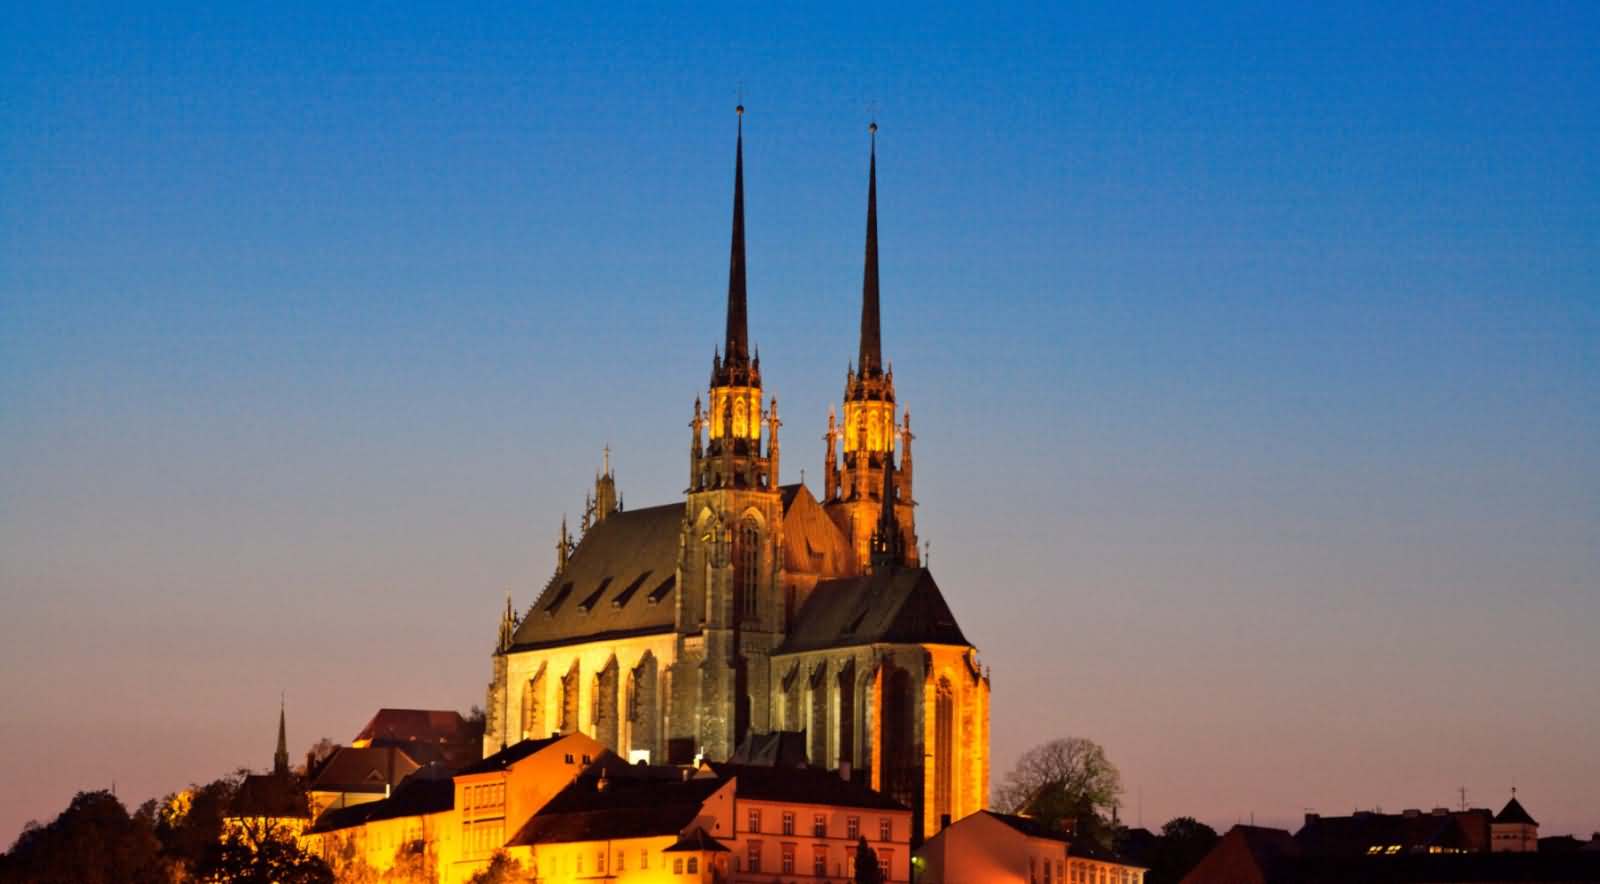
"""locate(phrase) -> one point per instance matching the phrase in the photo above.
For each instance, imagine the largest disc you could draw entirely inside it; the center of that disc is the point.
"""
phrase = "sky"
(1253, 352)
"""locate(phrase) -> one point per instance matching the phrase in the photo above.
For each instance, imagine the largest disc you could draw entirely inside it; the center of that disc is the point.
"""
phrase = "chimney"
(1441, 811)
(844, 770)
(1411, 812)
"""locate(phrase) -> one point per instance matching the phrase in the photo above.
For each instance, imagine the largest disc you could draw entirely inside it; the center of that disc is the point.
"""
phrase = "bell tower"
(854, 488)
(730, 604)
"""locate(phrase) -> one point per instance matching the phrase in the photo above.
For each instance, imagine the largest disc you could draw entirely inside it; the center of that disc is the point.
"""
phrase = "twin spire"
(736, 347)
(871, 357)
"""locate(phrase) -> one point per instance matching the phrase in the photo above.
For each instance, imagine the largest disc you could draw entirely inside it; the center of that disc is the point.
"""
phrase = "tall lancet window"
(747, 566)
(944, 750)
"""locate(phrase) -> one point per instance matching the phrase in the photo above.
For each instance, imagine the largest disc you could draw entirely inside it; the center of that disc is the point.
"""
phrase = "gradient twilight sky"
(1254, 355)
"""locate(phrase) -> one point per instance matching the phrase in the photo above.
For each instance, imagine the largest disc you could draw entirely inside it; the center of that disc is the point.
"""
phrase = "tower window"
(747, 566)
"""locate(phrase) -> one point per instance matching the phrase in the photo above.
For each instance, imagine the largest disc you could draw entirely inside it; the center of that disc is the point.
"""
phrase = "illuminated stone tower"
(853, 491)
(730, 603)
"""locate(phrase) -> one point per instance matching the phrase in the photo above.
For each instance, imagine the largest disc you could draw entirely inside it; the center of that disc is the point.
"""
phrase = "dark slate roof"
(417, 726)
(1514, 813)
(807, 785)
(696, 841)
(626, 807)
(1353, 835)
(779, 748)
(417, 796)
(507, 756)
(630, 558)
(1029, 826)
(812, 541)
(620, 580)
(899, 606)
(1245, 855)
(1086, 848)
(368, 769)
(271, 795)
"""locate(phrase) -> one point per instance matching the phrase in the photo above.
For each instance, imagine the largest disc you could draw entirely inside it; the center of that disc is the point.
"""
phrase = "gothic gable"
(618, 582)
(901, 606)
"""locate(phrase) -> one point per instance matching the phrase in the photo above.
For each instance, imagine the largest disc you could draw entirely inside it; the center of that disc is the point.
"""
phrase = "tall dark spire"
(737, 349)
(280, 758)
(871, 358)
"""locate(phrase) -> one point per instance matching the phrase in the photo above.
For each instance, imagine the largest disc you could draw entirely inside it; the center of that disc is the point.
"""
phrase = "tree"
(263, 855)
(867, 871)
(502, 869)
(189, 823)
(1183, 842)
(93, 841)
(1069, 780)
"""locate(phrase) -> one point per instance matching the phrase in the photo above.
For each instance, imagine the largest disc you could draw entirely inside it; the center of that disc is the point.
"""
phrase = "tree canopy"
(93, 841)
(1068, 779)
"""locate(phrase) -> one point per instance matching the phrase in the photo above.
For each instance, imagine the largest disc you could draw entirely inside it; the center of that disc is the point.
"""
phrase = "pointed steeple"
(737, 348)
(886, 541)
(280, 758)
(871, 357)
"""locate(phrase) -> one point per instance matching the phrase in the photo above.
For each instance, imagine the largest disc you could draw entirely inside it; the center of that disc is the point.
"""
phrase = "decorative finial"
(873, 127)
(739, 110)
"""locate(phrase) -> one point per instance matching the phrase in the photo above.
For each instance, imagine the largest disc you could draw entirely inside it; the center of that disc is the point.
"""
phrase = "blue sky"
(1251, 351)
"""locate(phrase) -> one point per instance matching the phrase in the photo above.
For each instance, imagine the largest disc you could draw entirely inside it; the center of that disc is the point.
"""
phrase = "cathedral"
(751, 607)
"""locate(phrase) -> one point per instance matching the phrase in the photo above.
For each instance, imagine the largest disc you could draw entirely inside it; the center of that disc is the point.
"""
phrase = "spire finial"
(871, 356)
(737, 338)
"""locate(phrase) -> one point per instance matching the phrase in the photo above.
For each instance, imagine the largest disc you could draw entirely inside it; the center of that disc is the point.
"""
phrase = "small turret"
(563, 548)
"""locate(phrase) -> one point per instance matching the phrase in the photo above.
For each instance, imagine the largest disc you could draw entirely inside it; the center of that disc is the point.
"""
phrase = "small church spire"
(887, 545)
(737, 347)
(871, 356)
(280, 758)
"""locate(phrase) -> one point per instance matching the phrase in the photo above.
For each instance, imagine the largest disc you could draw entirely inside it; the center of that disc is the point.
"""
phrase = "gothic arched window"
(747, 567)
(944, 733)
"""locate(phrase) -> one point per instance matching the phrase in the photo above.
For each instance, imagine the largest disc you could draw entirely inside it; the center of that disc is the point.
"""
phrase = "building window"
(747, 566)
(753, 819)
(819, 862)
(694, 864)
(752, 856)
(677, 866)
(1048, 866)
(788, 823)
(600, 862)
(852, 827)
(819, 826)
(886, 862)
(644, 859)
(788, 859)
(944, 731)
(885, 829)
(621, 862)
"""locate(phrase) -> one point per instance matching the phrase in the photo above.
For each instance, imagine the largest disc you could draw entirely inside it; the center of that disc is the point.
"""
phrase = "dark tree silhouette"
(268, 855)
(867, 870)
(1183, 842)
(93, 841)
